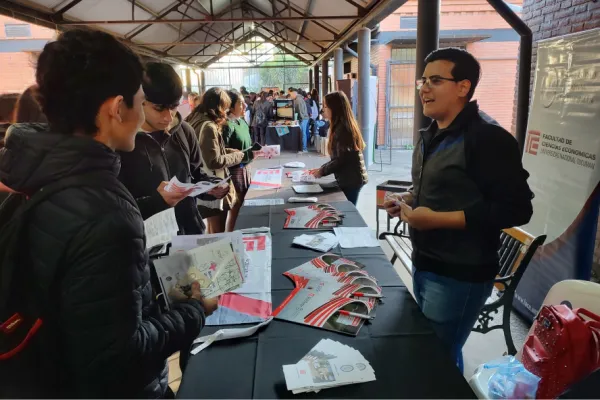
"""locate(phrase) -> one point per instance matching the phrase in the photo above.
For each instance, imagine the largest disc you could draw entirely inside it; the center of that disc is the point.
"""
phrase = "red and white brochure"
(315, 216)
(265, 179)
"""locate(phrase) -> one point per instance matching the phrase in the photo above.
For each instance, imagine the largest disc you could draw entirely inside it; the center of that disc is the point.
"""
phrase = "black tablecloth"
(407, 357)
(291, 142)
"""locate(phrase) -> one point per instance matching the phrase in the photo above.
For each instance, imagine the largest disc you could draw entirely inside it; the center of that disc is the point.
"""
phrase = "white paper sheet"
(295, 164)
(314, 188)
(201, 187)
(322, 242)
(302, 176)
(266, 179)
(263, 202)
(224, 334)
(160, 228)
(351, 238)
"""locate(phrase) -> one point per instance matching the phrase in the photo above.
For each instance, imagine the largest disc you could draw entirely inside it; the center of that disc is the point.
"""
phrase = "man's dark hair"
(281, 92)
(466, 67)
(162, 85)
(28, 109)
(291, 89)
(80, 71)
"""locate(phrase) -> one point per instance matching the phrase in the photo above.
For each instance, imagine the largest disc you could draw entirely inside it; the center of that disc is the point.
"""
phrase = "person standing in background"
(208, 121)
(468, 185)
(345, 147)
(263, 112)
(302, 112)
(7, 113)
(28, 109)
(236, 135)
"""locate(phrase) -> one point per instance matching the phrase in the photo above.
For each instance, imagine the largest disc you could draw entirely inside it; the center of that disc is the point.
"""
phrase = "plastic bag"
(511, 380)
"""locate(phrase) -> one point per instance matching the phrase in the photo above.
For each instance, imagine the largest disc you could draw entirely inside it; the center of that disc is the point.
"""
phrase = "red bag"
(562, 348)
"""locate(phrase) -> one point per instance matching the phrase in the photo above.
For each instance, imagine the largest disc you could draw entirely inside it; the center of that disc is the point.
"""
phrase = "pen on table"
(353, 314)
(358, 294)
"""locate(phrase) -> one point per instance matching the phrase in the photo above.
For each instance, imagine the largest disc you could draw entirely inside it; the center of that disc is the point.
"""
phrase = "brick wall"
(551, 18)
(455, 14)
(496, 90)
(17, 70)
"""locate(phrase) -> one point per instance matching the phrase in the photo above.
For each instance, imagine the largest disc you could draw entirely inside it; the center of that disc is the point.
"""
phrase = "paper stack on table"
(302, 189)
(332, 293)
(316, 216)
(328, 364)
(303, 176)
(201, 187)
(295, 164)
(351, 238)
(322, 242)
(263, 202)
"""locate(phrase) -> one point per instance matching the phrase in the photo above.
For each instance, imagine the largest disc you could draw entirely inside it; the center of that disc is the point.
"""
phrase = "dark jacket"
(348, 166)
(102, 334)
(474, 166)
(158, 157)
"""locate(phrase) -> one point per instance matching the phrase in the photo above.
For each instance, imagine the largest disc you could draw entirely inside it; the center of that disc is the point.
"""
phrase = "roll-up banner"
(561, 153)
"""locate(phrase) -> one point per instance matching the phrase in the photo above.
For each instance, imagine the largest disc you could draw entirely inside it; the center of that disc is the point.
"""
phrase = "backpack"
(260, 118)
(562, 348)
(21, 312)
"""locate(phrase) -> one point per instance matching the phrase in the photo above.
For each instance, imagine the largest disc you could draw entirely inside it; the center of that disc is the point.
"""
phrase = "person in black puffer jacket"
(166, 146)
(102, 334)
(345, 147)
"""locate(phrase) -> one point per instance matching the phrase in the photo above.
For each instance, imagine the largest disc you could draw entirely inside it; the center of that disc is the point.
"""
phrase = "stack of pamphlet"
(314, 216)
(331, 293)
(328, 364)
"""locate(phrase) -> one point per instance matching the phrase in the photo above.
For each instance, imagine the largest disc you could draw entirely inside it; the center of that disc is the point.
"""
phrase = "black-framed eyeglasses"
(433, 81)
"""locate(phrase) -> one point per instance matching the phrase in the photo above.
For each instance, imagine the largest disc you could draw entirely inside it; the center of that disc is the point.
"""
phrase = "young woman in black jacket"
(345, 147)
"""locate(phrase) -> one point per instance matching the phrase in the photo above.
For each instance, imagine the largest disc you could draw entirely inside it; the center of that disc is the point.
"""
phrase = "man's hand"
(424, 218)
(392, 203)
(210, 305)
(172, 198)
(219, 192)
(316, 173)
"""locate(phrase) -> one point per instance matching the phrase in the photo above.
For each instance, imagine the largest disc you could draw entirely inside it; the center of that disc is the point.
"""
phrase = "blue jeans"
(451, 306)
(352, 194)
(304, 124)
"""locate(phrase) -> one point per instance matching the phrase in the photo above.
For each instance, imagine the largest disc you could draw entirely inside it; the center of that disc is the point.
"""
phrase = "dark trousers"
(352, 194)
(260, 134)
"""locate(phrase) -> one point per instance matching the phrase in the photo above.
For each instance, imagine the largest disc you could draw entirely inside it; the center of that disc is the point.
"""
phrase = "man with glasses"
(167, 146)
(468, 184)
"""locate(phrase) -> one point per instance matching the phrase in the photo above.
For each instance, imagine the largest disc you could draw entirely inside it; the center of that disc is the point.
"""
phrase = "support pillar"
(188, 80)
(202, 82)
(310, 80)
(338, 66)
(316, 75)
(428, 33)
(364, 81)
(325, 80)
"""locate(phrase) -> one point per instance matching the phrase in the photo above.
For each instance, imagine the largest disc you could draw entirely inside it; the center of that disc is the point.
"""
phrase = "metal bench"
(517, 247)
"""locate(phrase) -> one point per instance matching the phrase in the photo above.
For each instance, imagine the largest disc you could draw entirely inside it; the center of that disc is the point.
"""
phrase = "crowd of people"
(87, 154)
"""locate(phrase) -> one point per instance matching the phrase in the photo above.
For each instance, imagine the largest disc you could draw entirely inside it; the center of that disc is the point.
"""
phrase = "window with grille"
(408, 22)
(17, 30)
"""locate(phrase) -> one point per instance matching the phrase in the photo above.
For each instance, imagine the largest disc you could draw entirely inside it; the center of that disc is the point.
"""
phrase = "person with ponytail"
(345, 147)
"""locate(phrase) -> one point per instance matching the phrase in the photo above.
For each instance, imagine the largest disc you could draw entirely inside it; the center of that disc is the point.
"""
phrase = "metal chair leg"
(510, 345)
(377, 218)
